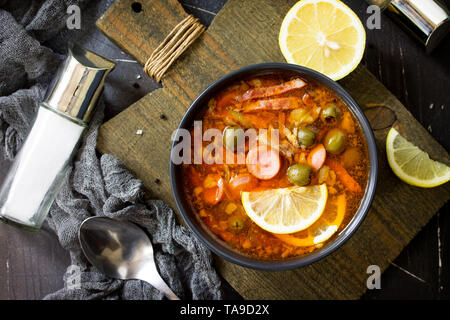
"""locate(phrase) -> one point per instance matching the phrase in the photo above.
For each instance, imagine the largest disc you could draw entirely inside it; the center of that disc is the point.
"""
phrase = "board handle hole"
(136, 6)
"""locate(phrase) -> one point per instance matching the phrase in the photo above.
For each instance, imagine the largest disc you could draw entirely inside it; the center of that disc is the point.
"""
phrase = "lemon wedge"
(412, 165)
(323, 229)
(324, 35)
(285, 210)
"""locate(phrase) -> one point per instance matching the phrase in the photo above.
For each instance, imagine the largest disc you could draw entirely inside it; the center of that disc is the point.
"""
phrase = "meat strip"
(271, 104)
(266, 92)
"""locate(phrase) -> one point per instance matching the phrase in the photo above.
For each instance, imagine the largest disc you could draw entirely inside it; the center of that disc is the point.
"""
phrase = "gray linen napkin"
(92, 186)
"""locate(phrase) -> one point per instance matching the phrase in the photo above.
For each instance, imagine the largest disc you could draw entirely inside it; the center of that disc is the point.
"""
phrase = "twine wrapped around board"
(176, 42)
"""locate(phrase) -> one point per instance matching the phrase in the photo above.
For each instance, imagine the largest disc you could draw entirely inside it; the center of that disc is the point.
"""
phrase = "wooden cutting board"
(243, 33)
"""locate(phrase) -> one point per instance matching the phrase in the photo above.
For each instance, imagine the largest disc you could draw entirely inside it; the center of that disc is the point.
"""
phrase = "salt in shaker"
(37, 172)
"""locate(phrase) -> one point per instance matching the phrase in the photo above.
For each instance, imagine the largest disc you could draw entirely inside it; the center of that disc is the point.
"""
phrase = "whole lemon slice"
(324, 35)
(413, 165)
(322, 229)
(285, 210)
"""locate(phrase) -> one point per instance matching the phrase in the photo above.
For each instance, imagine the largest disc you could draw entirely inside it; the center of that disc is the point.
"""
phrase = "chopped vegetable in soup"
(319, 143)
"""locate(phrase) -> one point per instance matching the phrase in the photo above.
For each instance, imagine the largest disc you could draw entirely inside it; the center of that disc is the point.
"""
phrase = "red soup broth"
(286, 103)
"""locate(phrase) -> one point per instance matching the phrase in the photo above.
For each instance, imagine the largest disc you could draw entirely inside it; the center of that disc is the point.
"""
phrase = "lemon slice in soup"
(285, 210)
(323, 229)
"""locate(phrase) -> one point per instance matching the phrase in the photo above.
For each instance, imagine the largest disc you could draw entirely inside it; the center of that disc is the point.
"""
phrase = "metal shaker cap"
(427, 20)
(78, 83)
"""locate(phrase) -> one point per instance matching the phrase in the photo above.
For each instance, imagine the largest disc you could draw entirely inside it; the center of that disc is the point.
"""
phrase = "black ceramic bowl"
(215, 243)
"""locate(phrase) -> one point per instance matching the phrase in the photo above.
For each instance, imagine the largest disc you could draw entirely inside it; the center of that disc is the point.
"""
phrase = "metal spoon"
(121, 250)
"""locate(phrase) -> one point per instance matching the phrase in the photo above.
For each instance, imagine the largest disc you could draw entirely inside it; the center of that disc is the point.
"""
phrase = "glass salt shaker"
(426, 20)
(37, 172)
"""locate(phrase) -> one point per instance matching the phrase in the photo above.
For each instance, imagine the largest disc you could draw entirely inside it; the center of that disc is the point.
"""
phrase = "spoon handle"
(156, 281)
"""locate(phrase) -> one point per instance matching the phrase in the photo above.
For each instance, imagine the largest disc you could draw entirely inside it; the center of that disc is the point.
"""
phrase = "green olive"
(306, 137)
(236, 224)
(232, 137)
(299, 174)
(331, 111)
(334, 141)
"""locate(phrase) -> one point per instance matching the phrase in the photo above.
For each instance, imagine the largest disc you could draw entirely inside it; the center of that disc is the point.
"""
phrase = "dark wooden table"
(32, 263)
